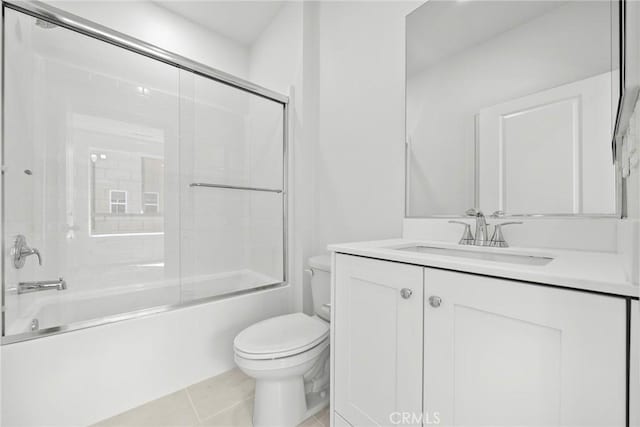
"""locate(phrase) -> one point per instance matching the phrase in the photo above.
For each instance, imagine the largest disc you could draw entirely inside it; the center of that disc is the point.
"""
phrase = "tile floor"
(222, 401)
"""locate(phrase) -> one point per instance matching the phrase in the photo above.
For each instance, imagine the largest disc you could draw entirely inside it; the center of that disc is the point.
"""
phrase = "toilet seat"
(275, 366)
(280, 337)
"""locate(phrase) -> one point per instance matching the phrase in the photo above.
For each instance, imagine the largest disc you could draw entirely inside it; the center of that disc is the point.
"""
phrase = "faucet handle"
(467, 236)
(473, 212)
(21, 251)
(498, 214)
(36, 252)
(497, 240)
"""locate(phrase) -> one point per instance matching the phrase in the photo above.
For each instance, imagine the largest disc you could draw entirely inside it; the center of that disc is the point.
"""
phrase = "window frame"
(156, 204)
(112, 203)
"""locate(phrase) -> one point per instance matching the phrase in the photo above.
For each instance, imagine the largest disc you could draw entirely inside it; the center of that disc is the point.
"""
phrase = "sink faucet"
(481, 235)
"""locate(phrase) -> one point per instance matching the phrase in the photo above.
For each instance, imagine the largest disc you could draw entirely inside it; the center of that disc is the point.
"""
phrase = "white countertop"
(585, 270)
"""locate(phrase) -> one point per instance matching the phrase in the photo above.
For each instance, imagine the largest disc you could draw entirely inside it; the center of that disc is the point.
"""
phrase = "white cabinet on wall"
(467, 350)
(378, 344)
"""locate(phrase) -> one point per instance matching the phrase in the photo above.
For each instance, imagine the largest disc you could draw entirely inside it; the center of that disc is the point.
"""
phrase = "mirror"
(511, 106)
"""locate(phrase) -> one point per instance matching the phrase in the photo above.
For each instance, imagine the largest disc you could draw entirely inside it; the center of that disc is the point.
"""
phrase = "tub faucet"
(43, 285)
(482, 235)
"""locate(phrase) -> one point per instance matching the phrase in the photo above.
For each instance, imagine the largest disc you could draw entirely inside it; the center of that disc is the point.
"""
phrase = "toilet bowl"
(288, 356)
(280, 353)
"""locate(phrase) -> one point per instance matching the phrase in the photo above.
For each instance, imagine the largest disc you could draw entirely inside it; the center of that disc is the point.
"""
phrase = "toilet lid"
(281, 336)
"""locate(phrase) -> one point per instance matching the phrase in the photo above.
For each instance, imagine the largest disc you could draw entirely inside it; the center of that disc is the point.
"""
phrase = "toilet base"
(279, 403)
(282, 403)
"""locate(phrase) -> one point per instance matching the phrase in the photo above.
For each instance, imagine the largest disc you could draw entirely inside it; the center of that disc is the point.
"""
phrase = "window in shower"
(118, 202)
(126, 190)
(142, 185)
(151, 203)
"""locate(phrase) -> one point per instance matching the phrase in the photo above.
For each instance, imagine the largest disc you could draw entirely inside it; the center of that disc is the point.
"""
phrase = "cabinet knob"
(406, 293)
(435, 301)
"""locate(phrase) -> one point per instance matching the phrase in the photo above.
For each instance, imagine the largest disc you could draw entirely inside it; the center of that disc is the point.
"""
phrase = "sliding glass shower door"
(232, 213)
(129, 184)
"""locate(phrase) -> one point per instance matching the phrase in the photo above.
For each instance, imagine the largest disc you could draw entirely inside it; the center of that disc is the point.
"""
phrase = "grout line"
(228, 408)
(193, 406)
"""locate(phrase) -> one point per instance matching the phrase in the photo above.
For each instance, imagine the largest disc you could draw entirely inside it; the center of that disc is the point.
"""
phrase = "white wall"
(358, 169)
(629, 234)
(345, 64)
(153, 24)
(276, 61)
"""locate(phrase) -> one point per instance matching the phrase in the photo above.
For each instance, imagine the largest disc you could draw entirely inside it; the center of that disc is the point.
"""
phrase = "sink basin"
(481, 254)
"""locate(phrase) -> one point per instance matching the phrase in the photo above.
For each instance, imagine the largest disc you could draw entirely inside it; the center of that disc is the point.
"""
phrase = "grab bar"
(43, 285)
(234, 187)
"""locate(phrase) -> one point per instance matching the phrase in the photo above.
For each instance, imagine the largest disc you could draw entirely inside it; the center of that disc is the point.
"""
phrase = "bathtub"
(90, 374)
(54, 312)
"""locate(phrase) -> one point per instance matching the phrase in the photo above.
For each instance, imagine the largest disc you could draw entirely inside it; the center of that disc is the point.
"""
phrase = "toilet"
(289, 357)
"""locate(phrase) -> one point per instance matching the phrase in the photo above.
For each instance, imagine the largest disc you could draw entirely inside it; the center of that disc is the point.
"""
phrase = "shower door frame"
(96, 31)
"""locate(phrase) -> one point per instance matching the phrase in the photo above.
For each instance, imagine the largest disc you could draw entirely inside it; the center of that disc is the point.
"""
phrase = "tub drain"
(35, 325)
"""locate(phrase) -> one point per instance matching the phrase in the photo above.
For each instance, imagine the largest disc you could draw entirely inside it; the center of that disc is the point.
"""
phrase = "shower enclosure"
(134, 180)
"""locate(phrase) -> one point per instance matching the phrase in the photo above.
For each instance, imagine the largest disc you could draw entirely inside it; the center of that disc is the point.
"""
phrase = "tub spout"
(44, 285)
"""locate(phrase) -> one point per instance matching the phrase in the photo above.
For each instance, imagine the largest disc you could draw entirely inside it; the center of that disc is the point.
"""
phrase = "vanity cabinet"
(378, 342)
(500, 352)
(468, 350)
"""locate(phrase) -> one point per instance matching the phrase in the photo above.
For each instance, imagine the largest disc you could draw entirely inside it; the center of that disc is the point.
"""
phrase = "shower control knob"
(406, 293)
(435, 301)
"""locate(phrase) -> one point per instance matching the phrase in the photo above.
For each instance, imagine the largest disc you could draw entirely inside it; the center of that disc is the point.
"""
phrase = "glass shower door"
(90, 178)
(131, 186)
(232, 186)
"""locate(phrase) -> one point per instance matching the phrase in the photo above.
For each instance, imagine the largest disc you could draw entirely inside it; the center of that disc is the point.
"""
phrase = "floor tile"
(310, 422)
(174, 410)
(219, 393)
(239, 415)
(323, 417)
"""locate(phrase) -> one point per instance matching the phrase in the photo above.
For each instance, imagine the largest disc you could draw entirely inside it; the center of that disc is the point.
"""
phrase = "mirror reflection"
(511, 107)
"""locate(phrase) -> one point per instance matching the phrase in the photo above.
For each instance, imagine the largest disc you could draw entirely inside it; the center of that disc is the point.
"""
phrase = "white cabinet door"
(503, 353)
(378, 341)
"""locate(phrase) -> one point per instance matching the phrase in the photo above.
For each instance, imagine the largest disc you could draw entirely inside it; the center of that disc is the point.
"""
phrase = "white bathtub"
(90, 374)
(58, 311)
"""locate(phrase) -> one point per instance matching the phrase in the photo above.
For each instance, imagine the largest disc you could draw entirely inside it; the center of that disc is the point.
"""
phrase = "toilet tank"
(321, 285)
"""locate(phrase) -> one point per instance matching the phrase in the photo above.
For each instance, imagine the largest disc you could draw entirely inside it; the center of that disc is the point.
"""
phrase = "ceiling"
(241, 21)
(439, 29)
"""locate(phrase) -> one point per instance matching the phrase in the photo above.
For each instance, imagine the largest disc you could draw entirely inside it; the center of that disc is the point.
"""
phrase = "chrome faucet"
(481, 235)
(44, 285)
(21, 251)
